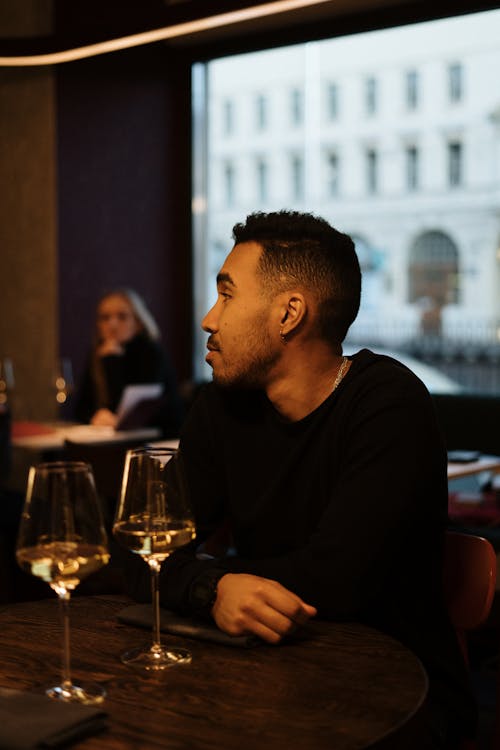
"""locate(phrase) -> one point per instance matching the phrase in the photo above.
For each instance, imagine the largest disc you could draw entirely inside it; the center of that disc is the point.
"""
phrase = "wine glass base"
(155, 659)
(88, 695)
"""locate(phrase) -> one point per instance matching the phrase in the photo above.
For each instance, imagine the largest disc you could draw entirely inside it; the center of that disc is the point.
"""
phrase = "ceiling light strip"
(157, 35)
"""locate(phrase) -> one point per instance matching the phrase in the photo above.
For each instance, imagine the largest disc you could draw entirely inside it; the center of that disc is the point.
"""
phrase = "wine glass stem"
(66, 671)
(155, 566)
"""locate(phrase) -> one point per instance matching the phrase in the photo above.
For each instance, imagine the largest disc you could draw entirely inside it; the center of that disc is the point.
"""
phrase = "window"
(412, 167)
(433, 271)
(261, 112)
(228, 117)
(297, 106)
(297, 168)
(455, 82)
(262, 178)
(371, 170)
(454, 163)
(229, 183)
(412, 89)
(332, 163)
(377, 164)
(332, 101)
(370, 96)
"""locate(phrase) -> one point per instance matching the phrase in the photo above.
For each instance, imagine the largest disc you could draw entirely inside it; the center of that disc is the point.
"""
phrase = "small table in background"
(467, 468)
(473, 499)
(33, 442)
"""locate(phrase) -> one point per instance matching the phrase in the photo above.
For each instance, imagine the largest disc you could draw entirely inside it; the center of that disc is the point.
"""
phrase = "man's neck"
(303, 383)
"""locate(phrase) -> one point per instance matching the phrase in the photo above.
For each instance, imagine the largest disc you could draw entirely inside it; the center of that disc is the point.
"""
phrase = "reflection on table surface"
(46, 435)
(333, 685)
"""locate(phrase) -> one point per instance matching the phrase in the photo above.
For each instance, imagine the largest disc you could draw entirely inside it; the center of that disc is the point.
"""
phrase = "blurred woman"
(126, 351)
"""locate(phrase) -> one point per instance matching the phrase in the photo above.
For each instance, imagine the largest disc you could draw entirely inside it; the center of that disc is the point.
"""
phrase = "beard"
(249, 367)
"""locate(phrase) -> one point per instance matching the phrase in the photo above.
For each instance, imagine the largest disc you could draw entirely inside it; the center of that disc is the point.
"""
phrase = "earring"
(282, 336)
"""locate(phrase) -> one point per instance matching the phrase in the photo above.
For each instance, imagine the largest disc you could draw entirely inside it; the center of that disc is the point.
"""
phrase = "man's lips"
(212, 349)
(212, 346)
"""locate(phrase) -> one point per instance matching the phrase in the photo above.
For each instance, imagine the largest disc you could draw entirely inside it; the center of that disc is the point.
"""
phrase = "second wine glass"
(153, 519)
(62, 540)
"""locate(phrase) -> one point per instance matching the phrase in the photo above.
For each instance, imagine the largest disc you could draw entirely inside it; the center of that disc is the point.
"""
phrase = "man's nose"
(209, 322)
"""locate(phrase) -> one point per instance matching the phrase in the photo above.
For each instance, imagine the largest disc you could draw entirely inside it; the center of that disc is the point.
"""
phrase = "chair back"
(470, 566)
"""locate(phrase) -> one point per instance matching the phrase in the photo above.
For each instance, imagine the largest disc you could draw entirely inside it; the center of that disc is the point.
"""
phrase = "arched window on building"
(433, 278)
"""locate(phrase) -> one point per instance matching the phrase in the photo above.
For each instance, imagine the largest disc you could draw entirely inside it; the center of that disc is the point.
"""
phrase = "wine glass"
(62, 540)
(6, 380)
(153, 519)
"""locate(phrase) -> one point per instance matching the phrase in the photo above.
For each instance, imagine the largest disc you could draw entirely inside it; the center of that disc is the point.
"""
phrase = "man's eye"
(225, 295)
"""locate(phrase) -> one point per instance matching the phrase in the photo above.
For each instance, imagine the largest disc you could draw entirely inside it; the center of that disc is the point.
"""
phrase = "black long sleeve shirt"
(346, 507)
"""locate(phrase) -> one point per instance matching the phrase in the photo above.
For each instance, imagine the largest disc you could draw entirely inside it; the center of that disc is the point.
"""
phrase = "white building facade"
(394, 137)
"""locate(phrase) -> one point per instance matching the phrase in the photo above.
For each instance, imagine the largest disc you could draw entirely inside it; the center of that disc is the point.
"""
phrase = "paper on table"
(31, 720)
(172, 443)
(189, 627)
(134, 394)
(25, 428)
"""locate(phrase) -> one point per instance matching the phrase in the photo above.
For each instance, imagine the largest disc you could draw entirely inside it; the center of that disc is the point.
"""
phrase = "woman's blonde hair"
(141, 313)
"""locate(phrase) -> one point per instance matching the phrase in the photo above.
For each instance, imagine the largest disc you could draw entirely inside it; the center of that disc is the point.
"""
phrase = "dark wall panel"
(124, 192)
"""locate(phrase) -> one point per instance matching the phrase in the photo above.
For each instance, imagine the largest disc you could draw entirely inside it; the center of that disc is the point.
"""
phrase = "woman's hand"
(104, 418)
(110, 346)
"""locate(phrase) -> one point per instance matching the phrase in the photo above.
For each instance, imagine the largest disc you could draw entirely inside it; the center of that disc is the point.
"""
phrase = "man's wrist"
(203, 592)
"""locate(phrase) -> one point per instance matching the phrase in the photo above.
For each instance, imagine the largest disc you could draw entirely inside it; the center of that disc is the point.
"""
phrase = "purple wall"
(124, 193)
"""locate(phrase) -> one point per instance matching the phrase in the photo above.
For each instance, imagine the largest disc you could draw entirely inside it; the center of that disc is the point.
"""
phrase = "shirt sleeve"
(198, 444)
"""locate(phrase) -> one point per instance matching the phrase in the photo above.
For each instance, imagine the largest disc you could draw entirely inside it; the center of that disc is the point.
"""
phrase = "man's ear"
(294, 312)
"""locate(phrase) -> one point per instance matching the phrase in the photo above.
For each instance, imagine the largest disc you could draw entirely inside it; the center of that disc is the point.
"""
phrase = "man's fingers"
(288, 603)
(267, 634)
(277, 610)
(250, 604)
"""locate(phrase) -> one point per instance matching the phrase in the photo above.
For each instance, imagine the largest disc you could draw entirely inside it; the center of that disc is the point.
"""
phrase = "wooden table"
(333, 687)
(457, 470)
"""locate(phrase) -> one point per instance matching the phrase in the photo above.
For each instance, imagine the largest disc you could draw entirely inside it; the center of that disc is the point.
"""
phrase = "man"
(329, 472)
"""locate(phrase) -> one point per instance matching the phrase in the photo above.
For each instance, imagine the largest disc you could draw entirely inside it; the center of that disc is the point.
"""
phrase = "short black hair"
(303, 249)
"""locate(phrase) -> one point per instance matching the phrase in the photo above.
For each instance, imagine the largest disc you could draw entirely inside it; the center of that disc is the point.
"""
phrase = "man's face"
(242, 350)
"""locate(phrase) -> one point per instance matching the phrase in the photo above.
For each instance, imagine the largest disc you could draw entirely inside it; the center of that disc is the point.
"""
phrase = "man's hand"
(250, 604)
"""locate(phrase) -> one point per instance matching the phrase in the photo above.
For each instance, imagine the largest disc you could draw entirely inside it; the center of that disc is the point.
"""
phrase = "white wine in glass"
(62, 540)
(153, 519)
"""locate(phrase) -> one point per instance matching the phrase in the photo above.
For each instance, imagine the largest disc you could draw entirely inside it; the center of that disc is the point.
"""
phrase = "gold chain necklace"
(340, 373)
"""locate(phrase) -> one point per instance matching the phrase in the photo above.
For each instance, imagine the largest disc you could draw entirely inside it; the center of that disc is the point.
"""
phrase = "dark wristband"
(203, 592)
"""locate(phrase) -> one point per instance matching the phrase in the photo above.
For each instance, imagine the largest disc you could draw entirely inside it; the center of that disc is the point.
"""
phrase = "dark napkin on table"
(29, 721)
(170, 622)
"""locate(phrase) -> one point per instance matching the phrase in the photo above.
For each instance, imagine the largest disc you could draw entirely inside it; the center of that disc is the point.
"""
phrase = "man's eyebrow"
(224, 278)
